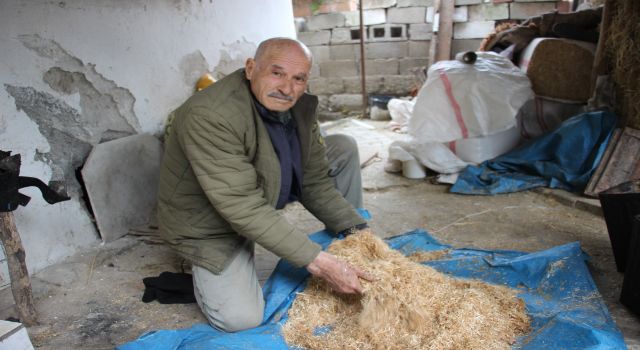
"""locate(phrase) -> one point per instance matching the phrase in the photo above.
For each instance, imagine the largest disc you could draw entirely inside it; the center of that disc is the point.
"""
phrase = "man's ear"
(249, 66)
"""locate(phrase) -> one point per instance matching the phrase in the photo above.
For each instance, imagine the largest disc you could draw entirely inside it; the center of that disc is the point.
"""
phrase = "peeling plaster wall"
(77, 73)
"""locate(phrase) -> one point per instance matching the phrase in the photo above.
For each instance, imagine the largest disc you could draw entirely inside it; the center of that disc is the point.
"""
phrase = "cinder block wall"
(397, 38)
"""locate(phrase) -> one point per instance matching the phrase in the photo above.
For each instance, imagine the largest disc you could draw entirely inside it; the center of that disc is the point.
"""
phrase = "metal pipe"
(362, 70)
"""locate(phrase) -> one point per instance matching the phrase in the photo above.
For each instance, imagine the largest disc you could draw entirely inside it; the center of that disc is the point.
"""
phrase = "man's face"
(279, 77)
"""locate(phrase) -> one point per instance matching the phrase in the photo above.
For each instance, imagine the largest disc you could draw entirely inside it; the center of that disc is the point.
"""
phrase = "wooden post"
(20, 282)
(445, 31)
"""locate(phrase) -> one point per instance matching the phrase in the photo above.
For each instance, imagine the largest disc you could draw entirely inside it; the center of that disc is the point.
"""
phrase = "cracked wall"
(77, 73)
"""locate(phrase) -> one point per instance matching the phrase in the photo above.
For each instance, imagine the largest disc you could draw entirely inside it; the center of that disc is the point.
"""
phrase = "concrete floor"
(92, 300)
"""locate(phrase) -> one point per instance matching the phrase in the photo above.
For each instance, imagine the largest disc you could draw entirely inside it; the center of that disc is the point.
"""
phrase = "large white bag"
(460, 101)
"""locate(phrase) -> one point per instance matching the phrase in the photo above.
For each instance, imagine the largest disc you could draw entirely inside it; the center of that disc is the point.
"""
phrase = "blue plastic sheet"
(562, 300)
(564, 158)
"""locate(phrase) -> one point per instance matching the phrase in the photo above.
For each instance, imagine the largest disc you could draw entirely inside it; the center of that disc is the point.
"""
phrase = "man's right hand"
(342, 277)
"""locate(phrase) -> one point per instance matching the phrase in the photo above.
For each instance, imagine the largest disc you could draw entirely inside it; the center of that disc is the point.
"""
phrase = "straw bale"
(408, 306)
(623, 46)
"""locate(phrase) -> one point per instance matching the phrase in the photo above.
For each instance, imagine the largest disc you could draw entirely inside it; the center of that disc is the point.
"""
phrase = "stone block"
(320, 53)
(420, 31)
(342, 36)
(387, 32)
(488, 12)
(406, 15)
(369, 17)
(460, 14)
(467, 2)
(464, 45)
(412, 3)
(121, 177)
(345, 102)
(419, 49)
(399, 85)
(472, 30)
(407, 65)
(381, 67)
(393, 49)
(377, 4)
(430, 16)
(524, 10)
(341, 68)
(318, 37)
(344, 52)
(325, 21)
(326, 86)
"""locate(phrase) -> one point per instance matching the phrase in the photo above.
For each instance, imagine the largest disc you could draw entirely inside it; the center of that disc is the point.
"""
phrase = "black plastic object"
(379, 101)
(630, 296)
(619, 205)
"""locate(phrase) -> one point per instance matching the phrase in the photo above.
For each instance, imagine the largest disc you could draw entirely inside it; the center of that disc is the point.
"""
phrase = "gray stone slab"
(121, 177)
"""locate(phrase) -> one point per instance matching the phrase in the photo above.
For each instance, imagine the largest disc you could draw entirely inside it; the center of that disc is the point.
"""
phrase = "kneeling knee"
(240, 321)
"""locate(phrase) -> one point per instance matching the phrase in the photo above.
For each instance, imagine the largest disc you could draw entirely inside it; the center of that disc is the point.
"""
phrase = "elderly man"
(238, 151)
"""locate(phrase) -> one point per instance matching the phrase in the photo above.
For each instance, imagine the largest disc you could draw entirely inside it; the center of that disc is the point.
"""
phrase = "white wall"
(75, 72)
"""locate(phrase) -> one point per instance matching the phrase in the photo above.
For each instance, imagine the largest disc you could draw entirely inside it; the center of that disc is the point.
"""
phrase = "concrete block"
(354, 85)
(387, 32)
(524, 10)
(320, 53)
(406, 15)
(411, 3)
(315, 70)
(343, 35)
(318, 37)
(329, 6)
(393, 49)
(464, 45)
(344, 52)
(407, 65)
(326, 86)
(377, 4)
(14, 336)
(430, 16)
(301, 8)
(460, 14)
(420, 31)
(342, 68)
(381, 67)
(325, 21)
(467, 2)
(121, 177)
(472, 30)
(345, 102)
(369, 17)
(488, 12)
(419, 49)
(399, 85)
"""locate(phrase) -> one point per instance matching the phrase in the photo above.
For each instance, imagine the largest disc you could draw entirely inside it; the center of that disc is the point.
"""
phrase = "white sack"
(460, 100)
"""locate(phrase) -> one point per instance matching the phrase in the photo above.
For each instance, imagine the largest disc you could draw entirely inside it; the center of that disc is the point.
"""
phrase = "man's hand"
(342, 277)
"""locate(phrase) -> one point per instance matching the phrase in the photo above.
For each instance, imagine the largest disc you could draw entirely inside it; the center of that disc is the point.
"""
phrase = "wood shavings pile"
(409, 306)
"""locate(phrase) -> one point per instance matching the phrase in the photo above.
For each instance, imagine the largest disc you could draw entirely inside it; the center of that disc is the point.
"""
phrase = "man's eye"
(300, 79)
(277, 74)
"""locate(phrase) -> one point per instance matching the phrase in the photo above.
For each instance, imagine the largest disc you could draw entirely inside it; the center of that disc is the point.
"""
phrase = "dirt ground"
(93, 300)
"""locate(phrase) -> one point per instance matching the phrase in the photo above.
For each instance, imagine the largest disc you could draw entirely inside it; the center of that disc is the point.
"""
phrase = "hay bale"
(559, 68)
(409, 306)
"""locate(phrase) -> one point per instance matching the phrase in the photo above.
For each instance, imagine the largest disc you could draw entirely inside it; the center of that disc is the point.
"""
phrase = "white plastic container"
(412, 169)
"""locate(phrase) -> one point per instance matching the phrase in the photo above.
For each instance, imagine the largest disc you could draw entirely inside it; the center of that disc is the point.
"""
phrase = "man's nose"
(286, 87)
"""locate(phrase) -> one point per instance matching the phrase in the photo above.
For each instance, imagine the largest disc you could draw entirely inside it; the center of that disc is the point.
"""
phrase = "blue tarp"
(562, 300)
(564, 158)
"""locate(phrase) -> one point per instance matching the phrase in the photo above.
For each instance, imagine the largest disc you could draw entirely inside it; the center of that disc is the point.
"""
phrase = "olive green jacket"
(220, 180)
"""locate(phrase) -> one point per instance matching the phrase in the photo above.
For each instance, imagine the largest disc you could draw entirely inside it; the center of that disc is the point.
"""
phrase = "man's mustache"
(281, 96)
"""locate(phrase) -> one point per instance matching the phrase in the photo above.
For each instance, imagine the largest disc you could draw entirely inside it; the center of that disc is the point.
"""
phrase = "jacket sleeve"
(319, 194)
(217, 154)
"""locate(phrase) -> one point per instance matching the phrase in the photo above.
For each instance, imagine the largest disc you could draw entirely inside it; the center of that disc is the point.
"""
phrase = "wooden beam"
(20, 282)
(445, 30)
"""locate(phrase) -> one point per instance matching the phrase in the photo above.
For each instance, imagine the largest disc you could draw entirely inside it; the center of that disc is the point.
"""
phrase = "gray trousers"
(232, 300)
